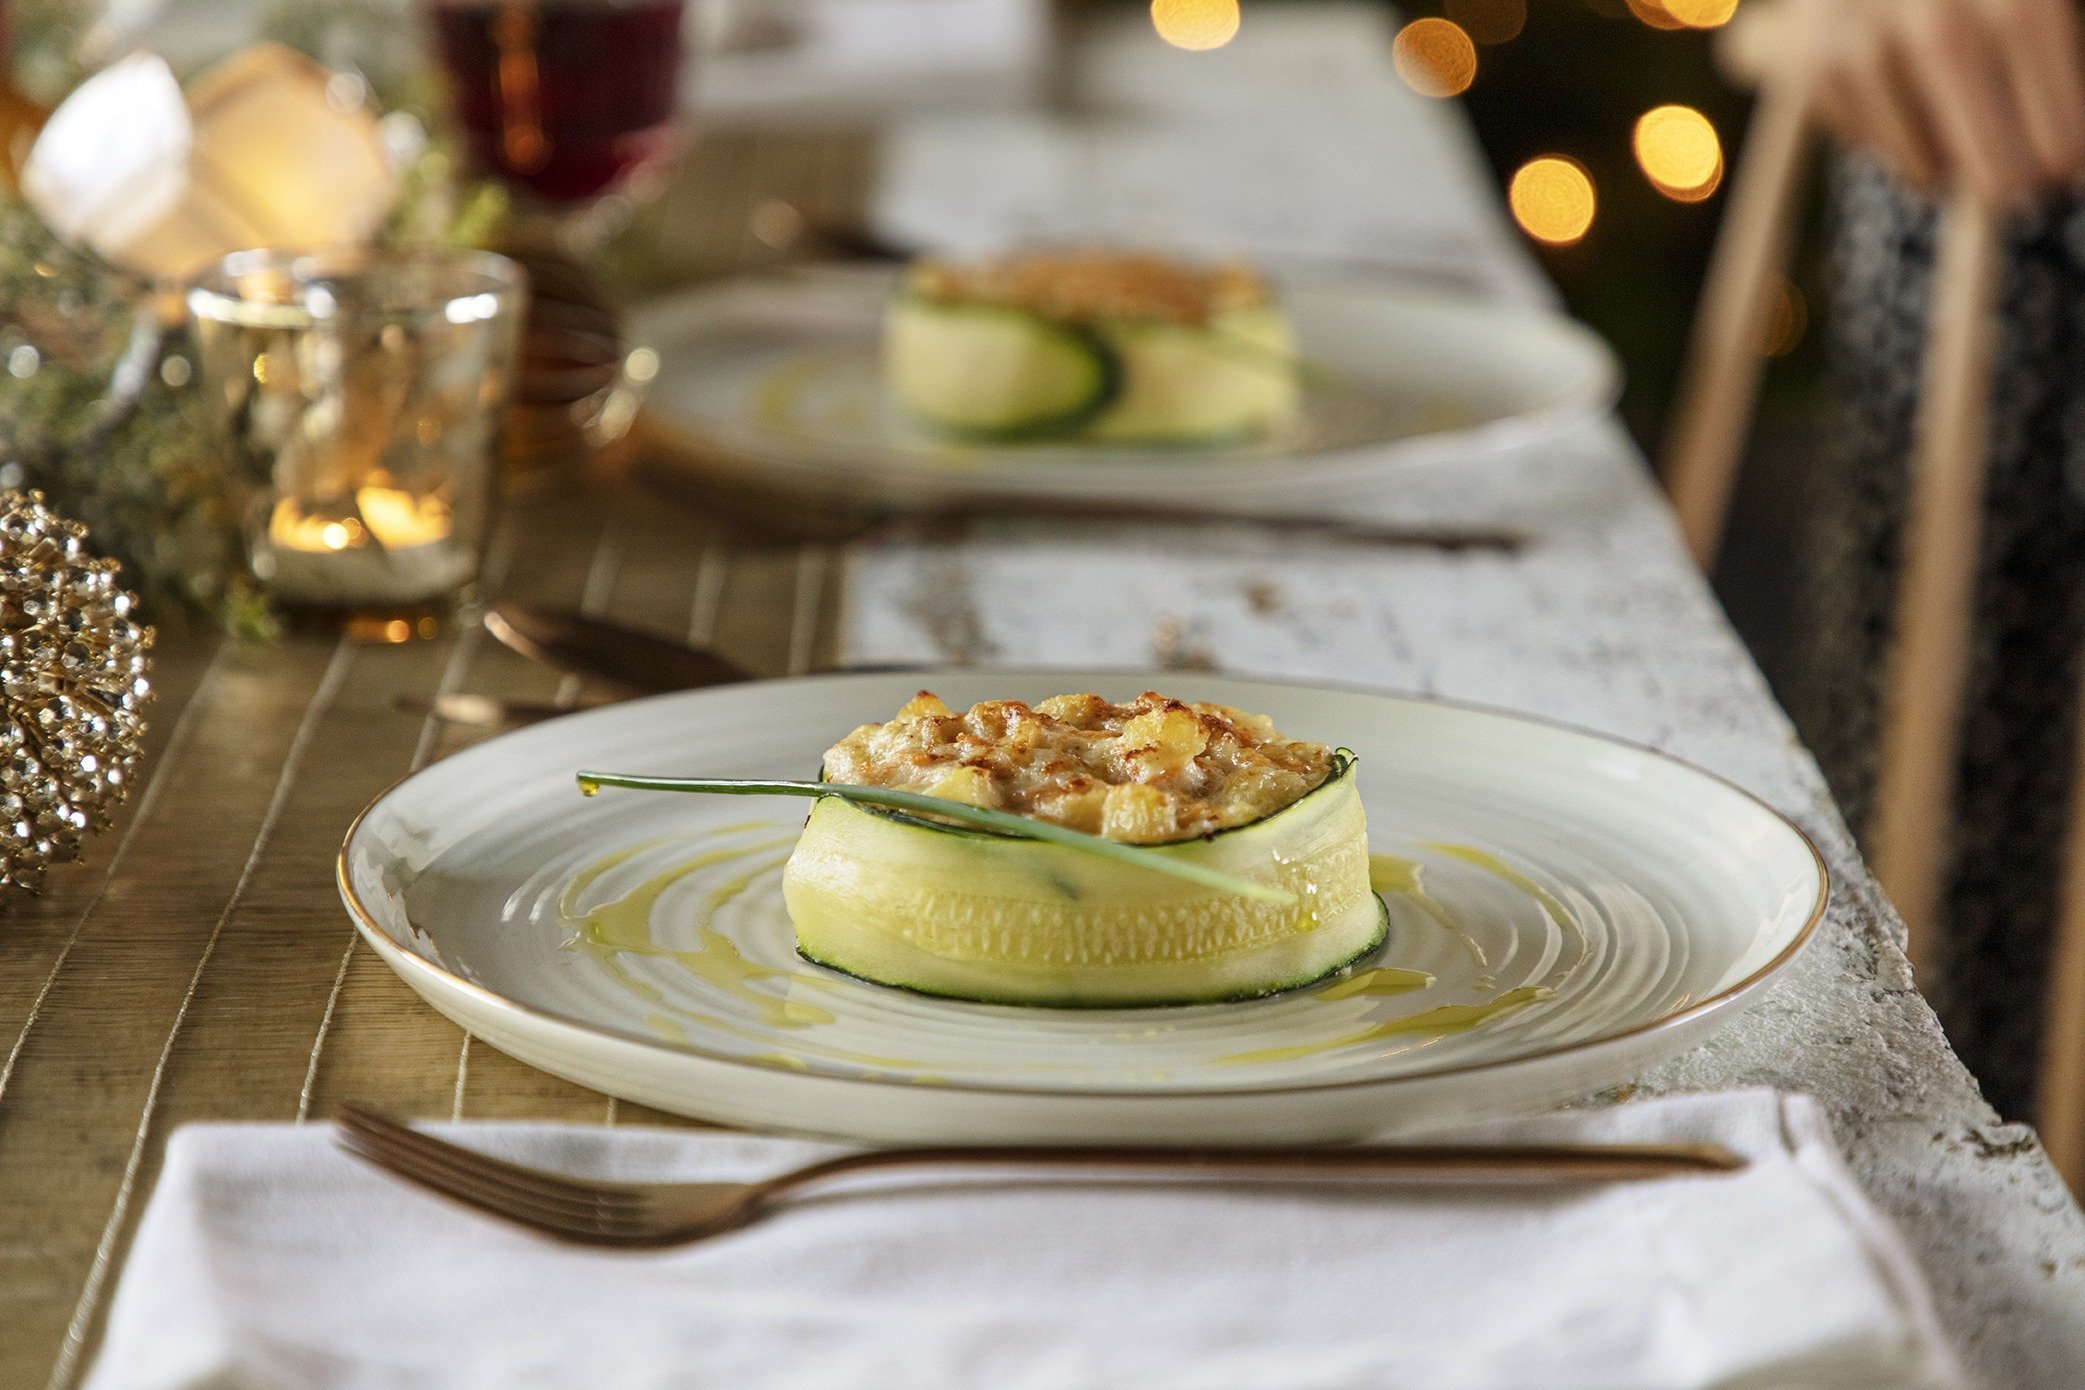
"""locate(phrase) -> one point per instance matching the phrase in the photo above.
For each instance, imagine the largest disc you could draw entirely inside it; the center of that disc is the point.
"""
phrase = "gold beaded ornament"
(73, 660)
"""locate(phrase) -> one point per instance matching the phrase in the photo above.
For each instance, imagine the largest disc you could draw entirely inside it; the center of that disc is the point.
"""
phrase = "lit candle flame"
(389, 518)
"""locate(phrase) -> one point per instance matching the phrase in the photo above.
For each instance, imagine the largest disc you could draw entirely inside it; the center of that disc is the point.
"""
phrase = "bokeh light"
(1700, 14)
(1679, 153)
(1196, 25)
(1654, 13)
(1786, 321)
(1684, 14)
(1552, 199)
(1489, 21)
(1435, 57)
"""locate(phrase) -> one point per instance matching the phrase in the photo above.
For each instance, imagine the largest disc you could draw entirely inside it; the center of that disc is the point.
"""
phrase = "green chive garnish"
(1004, 822)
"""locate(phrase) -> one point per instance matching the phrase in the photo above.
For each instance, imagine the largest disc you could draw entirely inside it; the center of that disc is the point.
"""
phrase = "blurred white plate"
(1589, 909)
(774, 381)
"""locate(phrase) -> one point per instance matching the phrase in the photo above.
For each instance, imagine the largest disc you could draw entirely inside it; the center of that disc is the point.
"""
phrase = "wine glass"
(571, 103)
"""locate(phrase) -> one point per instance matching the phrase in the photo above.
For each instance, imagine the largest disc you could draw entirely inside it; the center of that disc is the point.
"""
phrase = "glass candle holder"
(361, 395)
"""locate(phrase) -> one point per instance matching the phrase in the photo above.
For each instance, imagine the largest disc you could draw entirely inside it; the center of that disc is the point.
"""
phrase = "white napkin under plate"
(270, 1257)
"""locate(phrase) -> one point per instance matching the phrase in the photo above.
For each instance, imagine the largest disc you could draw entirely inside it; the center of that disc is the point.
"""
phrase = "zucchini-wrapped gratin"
(912, 901)
(1103, 347)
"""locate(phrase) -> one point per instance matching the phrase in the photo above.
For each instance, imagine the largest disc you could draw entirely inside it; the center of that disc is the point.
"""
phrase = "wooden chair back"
(1908, 839)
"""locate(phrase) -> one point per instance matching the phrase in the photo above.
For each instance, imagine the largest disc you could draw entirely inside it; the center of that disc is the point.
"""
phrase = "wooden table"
(199, 965)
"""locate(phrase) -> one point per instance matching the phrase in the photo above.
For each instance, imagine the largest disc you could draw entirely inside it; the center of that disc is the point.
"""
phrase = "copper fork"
(648, 1215)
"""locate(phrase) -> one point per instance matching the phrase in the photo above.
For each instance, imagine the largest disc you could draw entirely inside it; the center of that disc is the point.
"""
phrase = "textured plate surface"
(1574, 909)
(777, 378)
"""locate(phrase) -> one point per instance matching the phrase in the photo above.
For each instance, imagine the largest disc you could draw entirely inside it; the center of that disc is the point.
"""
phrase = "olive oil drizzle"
(779, 395)
(1391, 873)
(1553, 907)
(1448, 1018)
(1565, 919)
(1308, 917)
(1381, 982)
(667, 1027)
(623, 926)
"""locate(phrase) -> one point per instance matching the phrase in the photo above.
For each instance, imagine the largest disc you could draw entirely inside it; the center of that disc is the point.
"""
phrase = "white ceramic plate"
(774, 381)
(1588, 908)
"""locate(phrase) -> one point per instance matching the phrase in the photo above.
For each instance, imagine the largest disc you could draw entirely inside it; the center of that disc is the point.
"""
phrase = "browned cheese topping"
(1147, 772)
(1084, 286)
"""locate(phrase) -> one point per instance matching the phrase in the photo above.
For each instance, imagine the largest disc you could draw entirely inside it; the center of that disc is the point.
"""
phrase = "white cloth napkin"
(269, 1257)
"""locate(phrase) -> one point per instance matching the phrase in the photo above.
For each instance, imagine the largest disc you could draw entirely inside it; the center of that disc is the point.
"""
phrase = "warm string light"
(1679, 153)
(1684, 14)
(1654, 13)
(1552, 199)
(1195, 25)
(1435, 57)
(1701, 14)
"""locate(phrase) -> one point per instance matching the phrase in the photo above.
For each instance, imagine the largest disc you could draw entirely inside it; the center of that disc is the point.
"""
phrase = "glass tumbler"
(361, 395)
(571, 103)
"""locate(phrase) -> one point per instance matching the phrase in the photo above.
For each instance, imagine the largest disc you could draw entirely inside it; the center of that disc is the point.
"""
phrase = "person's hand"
(1982, 95)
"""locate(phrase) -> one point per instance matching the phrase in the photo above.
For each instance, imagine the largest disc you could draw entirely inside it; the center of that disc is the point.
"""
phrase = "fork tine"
(647, 1229)
(456, 1157)
(567, 1221)
(493, 1192)
(474, 1185)
(599, 1229)
(554, 1223)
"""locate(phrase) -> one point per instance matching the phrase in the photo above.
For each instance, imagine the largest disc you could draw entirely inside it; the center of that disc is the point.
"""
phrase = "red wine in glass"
(563, 99)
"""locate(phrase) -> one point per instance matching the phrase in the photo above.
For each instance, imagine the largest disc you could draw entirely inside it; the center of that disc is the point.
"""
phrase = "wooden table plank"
(261, 1006)
(100, 1053)
(35, 932)
(204, 969)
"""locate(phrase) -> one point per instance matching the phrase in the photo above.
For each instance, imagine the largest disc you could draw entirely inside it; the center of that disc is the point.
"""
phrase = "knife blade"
(629, 661)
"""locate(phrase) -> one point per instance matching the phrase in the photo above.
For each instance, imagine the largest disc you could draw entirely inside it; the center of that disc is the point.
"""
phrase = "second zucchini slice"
(994, 372)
